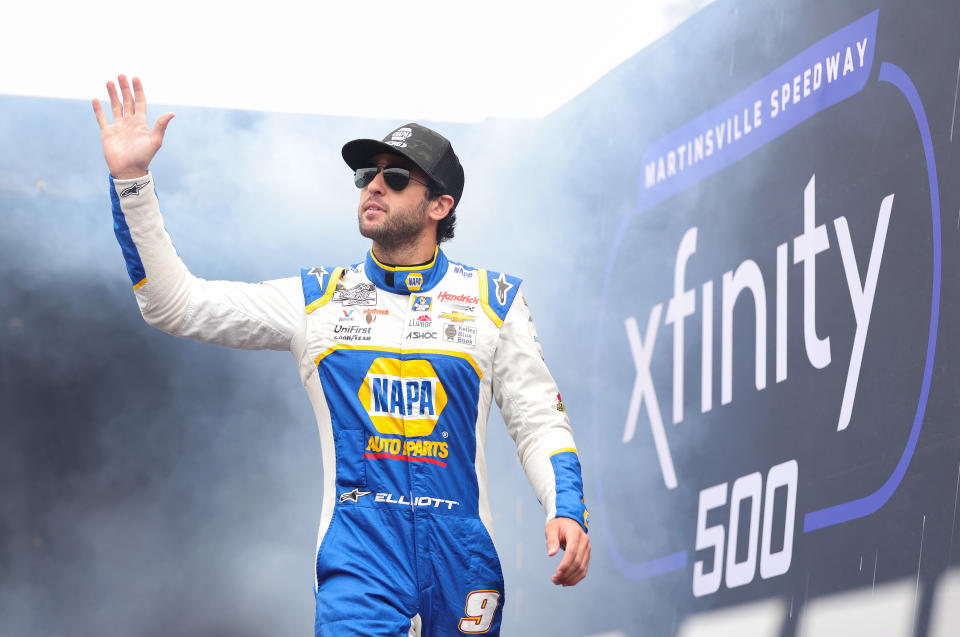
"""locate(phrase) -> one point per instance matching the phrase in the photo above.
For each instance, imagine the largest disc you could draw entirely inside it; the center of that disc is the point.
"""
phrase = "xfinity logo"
(748, 279)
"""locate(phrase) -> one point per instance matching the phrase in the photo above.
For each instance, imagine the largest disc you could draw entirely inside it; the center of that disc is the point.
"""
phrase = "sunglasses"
(395, 177)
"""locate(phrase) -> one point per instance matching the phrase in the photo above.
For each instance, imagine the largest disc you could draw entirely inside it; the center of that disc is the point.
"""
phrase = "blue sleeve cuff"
(569, 486)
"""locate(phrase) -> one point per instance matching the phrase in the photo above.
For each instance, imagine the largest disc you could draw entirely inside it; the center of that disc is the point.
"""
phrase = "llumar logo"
(402, 397)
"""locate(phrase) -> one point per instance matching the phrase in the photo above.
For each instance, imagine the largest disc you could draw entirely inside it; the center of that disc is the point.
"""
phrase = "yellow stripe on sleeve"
(328, 294)
(485, 298)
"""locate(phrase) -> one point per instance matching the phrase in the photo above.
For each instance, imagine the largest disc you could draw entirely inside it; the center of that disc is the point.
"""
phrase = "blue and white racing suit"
(400, 364)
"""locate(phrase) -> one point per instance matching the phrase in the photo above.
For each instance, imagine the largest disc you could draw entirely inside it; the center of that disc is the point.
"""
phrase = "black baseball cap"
(430, 151)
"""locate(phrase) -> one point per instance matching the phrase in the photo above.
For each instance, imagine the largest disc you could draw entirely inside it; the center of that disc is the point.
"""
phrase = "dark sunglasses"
(395, 177)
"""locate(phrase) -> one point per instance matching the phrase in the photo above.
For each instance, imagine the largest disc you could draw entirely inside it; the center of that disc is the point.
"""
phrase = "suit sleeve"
(533, 411)
(240, 315)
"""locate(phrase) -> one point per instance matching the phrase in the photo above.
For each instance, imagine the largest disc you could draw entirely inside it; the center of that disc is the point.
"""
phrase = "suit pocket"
(351, 467)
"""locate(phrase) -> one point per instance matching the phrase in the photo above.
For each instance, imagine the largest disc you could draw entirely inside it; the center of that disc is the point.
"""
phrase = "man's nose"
(377, 186)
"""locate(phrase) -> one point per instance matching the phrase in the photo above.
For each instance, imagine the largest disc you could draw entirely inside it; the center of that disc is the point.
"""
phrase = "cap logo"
(399, 136)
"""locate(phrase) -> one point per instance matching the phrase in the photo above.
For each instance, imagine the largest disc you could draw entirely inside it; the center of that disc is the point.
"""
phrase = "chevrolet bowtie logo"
(456, 317)
(353, 496)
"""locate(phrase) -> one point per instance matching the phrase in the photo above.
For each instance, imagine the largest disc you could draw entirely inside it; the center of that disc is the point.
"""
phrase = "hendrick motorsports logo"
(448, 297)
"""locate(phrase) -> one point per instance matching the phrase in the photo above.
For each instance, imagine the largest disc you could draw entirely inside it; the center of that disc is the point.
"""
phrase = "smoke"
(154, 486)
(157, 486)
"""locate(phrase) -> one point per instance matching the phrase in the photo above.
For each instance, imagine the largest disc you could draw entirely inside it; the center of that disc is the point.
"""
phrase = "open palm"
(129, 143)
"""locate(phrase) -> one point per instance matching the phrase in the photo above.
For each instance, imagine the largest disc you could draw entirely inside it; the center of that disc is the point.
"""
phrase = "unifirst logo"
(403, 397)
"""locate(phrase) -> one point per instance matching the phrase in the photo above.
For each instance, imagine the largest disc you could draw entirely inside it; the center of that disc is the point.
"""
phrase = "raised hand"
(128, 143)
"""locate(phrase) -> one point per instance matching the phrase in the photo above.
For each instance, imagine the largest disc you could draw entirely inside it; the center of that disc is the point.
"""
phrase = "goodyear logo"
(403, 397)
(414, 281)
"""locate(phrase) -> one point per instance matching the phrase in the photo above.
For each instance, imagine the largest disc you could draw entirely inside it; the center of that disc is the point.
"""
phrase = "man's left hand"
(567, 534)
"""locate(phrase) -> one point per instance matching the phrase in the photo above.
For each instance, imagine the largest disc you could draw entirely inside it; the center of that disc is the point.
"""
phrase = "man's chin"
(377, 233)
(369, 230)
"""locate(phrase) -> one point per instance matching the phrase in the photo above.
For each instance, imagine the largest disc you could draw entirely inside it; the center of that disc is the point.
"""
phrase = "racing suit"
(400, 364)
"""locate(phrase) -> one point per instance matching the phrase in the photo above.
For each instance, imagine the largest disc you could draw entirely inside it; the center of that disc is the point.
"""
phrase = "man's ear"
(440, 207)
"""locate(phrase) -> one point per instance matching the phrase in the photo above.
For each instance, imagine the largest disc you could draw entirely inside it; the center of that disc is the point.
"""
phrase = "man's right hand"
(128, 143)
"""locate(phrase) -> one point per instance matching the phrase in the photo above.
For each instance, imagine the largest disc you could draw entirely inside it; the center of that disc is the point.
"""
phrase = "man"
(400, 355)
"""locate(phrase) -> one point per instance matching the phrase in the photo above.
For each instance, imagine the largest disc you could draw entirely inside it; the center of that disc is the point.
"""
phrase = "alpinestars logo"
(318, 273)
(353, 496)
(133, 190)
(503, 286)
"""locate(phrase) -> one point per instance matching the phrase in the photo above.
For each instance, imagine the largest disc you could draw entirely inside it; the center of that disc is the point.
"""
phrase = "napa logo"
(414, 281)
(403, 397)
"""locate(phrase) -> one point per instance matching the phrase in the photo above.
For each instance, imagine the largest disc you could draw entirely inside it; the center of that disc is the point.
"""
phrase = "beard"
(401, 227)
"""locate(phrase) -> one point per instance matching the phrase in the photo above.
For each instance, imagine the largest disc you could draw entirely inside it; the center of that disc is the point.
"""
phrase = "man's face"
(393, 218)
